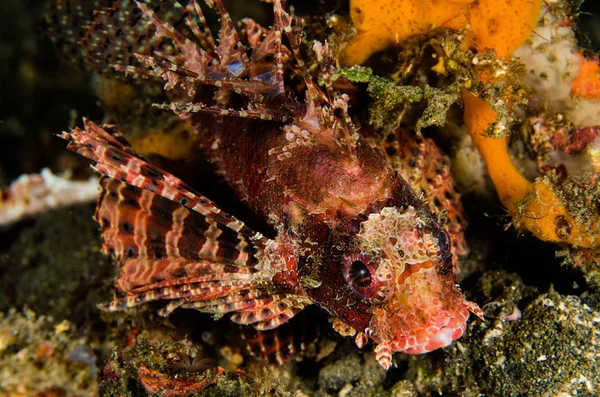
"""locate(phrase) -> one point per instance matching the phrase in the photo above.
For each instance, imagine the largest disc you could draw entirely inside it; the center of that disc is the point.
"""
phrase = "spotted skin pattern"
(352, 235)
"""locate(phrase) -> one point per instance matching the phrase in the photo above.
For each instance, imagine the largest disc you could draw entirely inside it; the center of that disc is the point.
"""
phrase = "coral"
(41, 358)
(538, 206)
(468, 168)
(556, 142)
(495, 24)
(553, 62)
(36, 193)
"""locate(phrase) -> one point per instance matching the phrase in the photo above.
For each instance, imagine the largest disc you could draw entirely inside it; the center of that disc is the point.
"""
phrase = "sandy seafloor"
(55, 342)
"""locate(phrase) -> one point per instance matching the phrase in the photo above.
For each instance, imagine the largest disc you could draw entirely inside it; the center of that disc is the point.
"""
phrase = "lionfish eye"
(338, 112)
(359, 274)
(444, 243)
(443, 240)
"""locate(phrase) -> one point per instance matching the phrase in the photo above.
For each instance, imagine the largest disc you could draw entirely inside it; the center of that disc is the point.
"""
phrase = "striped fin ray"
(279, 345)
(224, 68)
(224, 63)
(167, 252)
(139, 226)
(258, 307)
(272, 313)
(173, 244)
(204, 291)
(241, 300)
(121, 164)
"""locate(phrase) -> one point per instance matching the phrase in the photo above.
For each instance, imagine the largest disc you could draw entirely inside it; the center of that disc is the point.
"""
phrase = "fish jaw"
(427, 312)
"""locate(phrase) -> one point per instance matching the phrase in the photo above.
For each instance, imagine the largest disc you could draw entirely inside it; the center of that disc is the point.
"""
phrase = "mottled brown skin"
(295, 194)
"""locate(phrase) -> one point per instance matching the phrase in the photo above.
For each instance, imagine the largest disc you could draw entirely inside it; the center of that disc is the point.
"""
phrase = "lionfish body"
(351, 235)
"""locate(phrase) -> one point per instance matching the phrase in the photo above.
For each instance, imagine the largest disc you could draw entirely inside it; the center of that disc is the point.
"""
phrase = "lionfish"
(352, 236)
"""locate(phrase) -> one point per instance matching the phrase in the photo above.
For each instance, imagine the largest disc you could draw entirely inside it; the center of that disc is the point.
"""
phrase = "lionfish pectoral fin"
(360, 338)
(272, 313)
(280, 344)
(174, 244)
(342, 328)
(383, 355)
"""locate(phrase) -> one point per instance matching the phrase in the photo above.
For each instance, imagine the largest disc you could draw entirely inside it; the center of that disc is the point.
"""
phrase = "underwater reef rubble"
(519, 120)
(551, 349)
(40, 357)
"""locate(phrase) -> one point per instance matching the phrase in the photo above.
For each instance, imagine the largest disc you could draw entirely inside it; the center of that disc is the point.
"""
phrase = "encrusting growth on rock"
(499, 26)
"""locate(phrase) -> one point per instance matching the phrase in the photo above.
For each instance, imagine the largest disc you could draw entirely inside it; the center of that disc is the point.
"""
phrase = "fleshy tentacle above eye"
(173, 244)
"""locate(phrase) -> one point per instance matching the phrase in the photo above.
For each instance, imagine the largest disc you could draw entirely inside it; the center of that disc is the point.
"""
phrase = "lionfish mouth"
(435, 336)
(442, 338)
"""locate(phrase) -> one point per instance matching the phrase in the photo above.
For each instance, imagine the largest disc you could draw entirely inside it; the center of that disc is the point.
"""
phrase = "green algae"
(390, 99)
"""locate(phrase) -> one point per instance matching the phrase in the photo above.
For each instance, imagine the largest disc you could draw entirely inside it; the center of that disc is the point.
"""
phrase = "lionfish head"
(400, 266)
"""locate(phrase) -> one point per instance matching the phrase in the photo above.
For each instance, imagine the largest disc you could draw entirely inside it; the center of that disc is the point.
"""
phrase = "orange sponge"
(587, 83)
(538, 206)
(501, 25)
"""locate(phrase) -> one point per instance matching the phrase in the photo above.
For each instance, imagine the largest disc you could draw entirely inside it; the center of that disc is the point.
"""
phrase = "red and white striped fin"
(294, 36)
(196, 21)
(204, 291)
(263, 309)
(266, 46)
(270, 313)
(226, 64)
(139, 224)
(184, 110)
(241, 300)
(280, 344)
(174, 244)
(121, 164)
(193, 64)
